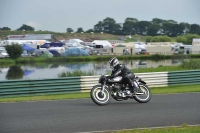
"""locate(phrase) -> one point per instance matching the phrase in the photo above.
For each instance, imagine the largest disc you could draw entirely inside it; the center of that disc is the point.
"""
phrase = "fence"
(85, 83)
(184, 77)
(39, 87)
(154, 79)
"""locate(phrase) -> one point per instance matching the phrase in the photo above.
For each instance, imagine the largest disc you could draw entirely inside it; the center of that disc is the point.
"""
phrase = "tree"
(167, 28)
(69, 30)
(109, 25)
(148, 39)
(194, 29)
(128, 26)
(14, 50)
(15, 72)
(181, 39)
(98, 27)
(157, 21)
(141, 27)
(161, 39)
(190, 37)
(117, 29)
(153, 30)
(5, 28)
(172, 22)
(79, 30)
(89, 31)
(185, 26)
(26, 28)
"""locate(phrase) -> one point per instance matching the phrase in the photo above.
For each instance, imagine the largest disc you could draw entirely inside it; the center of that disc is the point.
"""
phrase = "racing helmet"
(113, 62)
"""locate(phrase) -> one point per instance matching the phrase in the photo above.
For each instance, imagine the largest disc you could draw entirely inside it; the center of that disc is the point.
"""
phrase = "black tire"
(147, 93)
(98, 98)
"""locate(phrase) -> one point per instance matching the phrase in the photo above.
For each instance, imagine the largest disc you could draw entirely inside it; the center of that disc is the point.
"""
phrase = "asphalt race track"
(82, 115)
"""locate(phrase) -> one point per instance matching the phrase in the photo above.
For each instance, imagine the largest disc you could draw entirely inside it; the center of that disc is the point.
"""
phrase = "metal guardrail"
(155, 79)
(39, 87)
(184, 77)
(12, 88)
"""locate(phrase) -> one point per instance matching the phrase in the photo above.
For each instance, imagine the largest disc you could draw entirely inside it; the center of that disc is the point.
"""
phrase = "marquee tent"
(27, 48)
(104, 43)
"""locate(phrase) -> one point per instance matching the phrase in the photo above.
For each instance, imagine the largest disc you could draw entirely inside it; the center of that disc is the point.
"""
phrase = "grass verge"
(182, 129)
(33, 60)
(155, 90)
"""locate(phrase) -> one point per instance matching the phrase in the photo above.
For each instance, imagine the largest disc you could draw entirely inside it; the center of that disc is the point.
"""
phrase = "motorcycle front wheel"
(143, 94)
(98, 97)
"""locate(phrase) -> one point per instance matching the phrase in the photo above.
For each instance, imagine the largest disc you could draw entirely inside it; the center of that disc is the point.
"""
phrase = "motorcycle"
(113, 87)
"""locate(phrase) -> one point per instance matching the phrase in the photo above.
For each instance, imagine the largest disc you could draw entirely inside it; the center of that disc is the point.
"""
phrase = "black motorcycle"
(101, 94)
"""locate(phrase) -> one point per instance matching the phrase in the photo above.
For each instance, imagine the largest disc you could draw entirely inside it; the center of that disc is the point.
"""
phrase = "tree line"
(23, 27)
(133, 26)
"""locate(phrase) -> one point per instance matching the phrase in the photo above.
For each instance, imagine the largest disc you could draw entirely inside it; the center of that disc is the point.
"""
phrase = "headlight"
(101, 79)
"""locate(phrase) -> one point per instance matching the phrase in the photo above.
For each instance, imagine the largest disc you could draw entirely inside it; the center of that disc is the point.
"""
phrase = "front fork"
(102, 88)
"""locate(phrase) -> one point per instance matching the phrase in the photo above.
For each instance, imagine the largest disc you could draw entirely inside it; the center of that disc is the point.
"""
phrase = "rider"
(121, 70)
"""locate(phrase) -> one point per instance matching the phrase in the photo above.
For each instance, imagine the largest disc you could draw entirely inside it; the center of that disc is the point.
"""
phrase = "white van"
(3, 53)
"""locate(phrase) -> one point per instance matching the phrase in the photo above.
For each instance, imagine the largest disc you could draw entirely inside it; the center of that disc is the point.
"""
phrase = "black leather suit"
(127, 75)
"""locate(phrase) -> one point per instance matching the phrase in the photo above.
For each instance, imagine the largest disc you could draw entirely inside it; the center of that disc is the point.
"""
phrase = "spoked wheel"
(143, 94)
(98, 97)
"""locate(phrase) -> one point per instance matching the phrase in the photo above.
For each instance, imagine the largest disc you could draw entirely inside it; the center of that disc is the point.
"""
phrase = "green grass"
(155, 90)
(161, 69)
(76, 73)
(176, 89)
(182, 129)
(192, 64)
(34, 60)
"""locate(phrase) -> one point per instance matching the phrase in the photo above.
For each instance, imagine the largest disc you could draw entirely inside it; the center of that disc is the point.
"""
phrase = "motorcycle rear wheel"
(98, 97)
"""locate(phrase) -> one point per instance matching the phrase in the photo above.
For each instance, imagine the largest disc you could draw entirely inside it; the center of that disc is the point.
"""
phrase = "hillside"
(66, 36)
(60, 36)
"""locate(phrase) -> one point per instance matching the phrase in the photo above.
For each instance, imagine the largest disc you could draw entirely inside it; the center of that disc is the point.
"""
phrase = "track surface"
(82, 115)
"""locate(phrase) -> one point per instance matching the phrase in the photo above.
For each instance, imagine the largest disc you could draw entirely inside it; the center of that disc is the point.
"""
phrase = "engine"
(117, 87)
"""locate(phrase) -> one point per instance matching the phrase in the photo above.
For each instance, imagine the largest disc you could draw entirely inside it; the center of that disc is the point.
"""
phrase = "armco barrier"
(85, 83)
(154, 79)
(184, 77)
(37, 87)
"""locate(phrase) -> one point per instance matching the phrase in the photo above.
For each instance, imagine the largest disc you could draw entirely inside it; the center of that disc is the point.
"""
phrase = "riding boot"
(132, 87)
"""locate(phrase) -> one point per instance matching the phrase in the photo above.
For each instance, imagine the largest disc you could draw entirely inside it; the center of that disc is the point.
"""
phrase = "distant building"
(159, 48)
(196, 46)
(48, 37)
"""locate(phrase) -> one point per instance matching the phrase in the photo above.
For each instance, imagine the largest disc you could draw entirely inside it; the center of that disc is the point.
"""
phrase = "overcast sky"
(58, 15)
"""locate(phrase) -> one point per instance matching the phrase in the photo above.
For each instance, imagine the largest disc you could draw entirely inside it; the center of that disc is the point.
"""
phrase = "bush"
(191, 64)
(187, 39)
(161, 39)
(14, 50)
(76, 73)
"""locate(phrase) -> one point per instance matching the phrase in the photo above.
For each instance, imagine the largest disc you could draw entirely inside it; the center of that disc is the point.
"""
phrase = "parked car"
(55, 53)
(3, 53)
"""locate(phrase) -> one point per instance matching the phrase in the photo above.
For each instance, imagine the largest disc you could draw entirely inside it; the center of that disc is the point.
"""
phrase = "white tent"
(74, 41)
(141, 46)
(104, 43)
